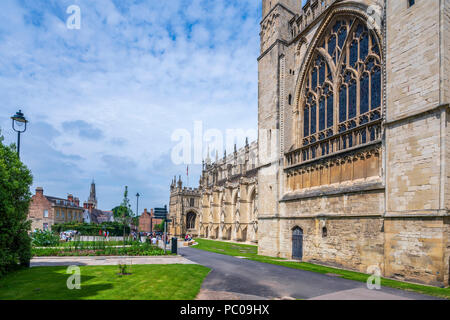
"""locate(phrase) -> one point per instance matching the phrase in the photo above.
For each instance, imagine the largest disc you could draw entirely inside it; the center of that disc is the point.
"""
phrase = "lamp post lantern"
(19, 125)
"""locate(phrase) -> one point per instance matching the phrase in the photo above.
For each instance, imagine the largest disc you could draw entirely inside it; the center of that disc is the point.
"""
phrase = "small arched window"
(324, 232)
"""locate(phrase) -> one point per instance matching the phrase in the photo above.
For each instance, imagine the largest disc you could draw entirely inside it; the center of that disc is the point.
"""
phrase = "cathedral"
(349, 169)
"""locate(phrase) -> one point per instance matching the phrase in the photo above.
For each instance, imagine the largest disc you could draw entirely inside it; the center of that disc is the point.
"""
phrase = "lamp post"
(19, 125)
(137, 210)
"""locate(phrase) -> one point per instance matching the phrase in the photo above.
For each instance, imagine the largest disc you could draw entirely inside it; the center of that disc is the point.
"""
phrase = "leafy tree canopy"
(15, 195)
(124, 209)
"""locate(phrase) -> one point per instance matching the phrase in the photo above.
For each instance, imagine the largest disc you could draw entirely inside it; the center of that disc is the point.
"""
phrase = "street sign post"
(161, 213)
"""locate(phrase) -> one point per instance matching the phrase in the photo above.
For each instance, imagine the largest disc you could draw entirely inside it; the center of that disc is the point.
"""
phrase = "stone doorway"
(297, 243)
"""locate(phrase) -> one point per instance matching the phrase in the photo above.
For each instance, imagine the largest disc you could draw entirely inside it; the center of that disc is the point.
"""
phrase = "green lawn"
(228, 248)
(251, 253)
(147, 282)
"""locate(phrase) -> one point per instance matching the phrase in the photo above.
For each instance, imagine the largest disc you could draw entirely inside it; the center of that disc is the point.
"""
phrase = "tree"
(135, 220)
(116, 212)
(15, 196)
(160, 227)
(124, 212)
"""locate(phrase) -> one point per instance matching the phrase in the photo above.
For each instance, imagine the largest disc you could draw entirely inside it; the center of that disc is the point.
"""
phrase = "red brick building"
(147, 221)
(45, 211)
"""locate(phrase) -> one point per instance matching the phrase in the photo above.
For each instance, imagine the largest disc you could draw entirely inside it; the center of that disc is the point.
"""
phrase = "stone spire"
(208, 159)
(93, 196)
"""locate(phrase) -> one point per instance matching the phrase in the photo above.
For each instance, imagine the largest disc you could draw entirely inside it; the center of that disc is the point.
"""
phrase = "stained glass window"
(322, 74)
(322, 114)
(314, 79)
(330, 107)
(352, 100)
(342, 36)
(306, 122)
(376, 88)
(353, 54)
(364, 103)
(331, 45)
(343, 104)
(364, 47)
(313, 119)
(349, 63)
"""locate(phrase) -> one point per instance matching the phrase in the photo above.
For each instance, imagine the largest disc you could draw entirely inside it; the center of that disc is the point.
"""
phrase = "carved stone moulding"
(337, 160)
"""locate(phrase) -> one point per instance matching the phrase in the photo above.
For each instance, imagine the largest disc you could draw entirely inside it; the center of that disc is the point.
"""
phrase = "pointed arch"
(339, 87)
(253, 206)
(191, 218)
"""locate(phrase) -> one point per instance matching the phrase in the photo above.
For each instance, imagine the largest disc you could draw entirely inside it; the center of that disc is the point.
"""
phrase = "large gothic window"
(341, 102)
(190, 220)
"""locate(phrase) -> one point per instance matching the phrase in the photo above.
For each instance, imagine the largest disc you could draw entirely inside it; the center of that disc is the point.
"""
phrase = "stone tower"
(92, 200)
(184, 209)
(353, 112)
(275, 34)
(417, 140)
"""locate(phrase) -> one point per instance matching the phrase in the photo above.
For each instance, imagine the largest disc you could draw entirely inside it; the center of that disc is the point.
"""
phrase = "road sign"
(161, 213)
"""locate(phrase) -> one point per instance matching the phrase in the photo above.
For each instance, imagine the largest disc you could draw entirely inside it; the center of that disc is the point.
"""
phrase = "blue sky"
(104, 100)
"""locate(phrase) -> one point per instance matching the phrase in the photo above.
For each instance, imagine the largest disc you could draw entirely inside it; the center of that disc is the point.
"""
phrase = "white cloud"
(136, 72)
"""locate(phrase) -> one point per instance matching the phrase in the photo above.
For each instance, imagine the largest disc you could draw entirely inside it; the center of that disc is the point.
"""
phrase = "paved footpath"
(232, 278)
(106, 261)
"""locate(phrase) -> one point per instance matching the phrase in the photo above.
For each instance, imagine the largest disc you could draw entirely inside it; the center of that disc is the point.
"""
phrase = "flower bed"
(133, 250)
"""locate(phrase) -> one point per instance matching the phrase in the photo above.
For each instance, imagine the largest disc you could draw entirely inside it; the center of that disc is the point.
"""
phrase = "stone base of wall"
(417, 249)
(409, 249)
(350, 242)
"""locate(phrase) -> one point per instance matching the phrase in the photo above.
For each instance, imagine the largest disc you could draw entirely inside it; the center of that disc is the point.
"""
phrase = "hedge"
(89, 229)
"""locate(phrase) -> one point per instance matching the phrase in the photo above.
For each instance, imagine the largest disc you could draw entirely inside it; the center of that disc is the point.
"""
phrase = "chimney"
(40, 191)
(151, 213)
(145, 211)
(70, 198)
(85, 205)
(90, 206)
(77, 202)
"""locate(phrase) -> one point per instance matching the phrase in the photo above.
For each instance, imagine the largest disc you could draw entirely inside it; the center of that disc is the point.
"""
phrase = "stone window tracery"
(341, 99)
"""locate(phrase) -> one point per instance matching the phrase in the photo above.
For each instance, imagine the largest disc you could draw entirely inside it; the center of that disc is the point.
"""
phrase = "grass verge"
(147, 282)
(251, 253)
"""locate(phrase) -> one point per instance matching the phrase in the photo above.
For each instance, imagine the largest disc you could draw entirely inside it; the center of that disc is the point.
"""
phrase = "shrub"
(134, 250)
(15, 182)
(89, 229)
(44, 239)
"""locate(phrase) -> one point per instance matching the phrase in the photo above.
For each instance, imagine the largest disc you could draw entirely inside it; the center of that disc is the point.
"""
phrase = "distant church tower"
(92, 196)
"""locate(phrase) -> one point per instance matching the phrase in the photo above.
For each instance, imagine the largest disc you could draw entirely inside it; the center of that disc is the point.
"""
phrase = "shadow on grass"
(48, 283)
(57, 264)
